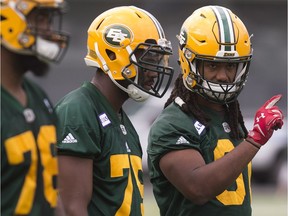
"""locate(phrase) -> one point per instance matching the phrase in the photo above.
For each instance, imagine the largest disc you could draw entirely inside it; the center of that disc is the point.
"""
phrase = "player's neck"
(211, 105)
(113, 94)
(13, 85)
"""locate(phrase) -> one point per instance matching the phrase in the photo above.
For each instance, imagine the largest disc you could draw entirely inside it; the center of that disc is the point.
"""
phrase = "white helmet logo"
(115, 34)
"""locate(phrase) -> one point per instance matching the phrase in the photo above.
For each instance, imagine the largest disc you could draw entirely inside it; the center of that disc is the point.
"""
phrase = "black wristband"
(258, 147)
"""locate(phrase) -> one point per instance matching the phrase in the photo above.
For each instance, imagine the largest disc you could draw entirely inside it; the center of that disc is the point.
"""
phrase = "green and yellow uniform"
(175, 130)
(28, 163)
(90, 128)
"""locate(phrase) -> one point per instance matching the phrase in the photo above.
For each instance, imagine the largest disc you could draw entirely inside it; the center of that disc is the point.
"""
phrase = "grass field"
(266, 202)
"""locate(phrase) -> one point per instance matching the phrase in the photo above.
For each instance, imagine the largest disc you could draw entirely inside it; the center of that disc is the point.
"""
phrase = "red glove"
(267, 119)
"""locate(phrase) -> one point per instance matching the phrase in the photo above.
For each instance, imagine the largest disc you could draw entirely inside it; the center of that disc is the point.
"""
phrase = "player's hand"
(267, 119)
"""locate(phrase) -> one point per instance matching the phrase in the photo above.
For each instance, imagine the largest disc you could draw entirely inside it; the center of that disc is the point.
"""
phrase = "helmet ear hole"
(111, 54)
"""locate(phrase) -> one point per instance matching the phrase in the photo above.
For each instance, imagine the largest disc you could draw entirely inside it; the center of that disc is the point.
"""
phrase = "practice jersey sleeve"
(78, 135)
(172, 131)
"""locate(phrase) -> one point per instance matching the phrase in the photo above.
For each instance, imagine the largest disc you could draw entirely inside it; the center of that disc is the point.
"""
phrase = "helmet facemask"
(150, 58)
(44, 24)
(218, 92)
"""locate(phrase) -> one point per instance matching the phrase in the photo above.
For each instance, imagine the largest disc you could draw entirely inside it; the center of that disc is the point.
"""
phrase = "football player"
(29, 42)
(100, 156)
(199, 150)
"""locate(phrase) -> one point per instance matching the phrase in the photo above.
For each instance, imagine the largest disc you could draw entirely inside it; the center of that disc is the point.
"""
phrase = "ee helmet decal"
(114, 34)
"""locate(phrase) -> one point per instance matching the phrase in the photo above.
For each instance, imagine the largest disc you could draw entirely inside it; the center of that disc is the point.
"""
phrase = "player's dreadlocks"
(191, 107)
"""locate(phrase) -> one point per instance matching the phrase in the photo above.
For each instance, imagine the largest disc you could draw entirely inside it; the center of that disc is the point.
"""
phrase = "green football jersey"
(90, 128)
(175, 130)
(28, 149)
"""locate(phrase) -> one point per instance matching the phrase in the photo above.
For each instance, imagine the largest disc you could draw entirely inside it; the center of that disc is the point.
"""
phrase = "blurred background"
(265, 19)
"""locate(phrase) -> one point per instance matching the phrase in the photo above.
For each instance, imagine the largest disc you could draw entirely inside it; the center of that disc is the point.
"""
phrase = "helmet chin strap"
(47, 49)
(218, 91)
(133, 92)
(137, 94)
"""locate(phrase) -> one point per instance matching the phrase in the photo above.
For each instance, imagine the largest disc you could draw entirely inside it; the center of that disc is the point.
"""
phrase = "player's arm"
(59, 209)
(75, 184)
(200, 182)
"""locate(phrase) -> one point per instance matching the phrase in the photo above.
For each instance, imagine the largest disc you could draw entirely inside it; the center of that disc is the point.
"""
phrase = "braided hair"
(191, 107)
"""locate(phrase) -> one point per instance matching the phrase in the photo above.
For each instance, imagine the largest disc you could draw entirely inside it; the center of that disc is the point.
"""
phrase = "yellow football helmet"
(125, 42)
(24, 31)
(214, 33)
